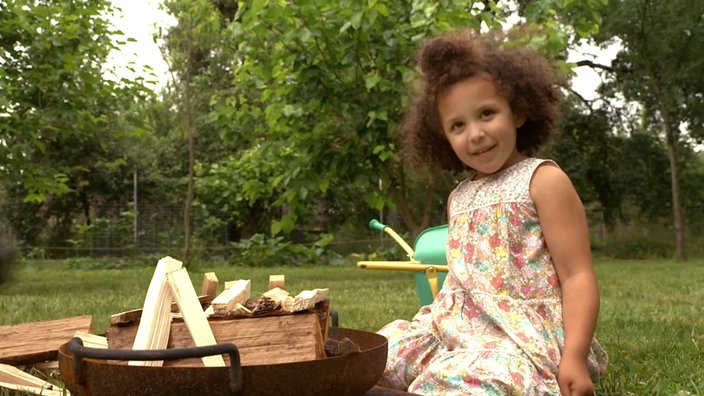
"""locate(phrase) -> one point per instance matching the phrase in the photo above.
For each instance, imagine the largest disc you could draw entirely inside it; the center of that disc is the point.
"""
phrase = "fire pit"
(105, 372)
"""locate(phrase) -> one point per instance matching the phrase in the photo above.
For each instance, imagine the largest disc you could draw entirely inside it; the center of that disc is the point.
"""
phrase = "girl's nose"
(476, 132)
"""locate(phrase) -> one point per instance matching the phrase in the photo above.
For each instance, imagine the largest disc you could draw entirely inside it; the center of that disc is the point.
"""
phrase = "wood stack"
(171, 282)
(274, 328)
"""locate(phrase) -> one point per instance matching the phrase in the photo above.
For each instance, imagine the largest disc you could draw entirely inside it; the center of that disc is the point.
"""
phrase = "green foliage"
(319, 89)
(659, 64)
(260, 251)
(556, 25)
(588, 152)
(318, 79)
(65, 141)
(58, 112)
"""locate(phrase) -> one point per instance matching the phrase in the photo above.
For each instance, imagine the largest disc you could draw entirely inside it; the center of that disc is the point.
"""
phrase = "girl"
(517, 311)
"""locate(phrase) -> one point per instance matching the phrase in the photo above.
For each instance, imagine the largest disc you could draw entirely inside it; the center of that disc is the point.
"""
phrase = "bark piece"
(341, 347)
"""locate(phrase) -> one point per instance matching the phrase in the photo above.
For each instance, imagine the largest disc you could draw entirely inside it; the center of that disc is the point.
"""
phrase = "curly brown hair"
(523, 76)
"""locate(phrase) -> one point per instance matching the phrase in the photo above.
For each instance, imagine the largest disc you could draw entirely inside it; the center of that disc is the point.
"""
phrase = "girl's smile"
(480, 126)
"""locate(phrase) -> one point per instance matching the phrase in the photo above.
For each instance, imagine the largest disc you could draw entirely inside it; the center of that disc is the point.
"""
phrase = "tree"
(298, 102)
(659, 67)
(588, 151)
(59, 115)
(190, 48)
(321, 86)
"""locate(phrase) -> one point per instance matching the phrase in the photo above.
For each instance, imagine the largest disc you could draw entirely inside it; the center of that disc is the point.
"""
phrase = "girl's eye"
(457, 126)
(487, 113)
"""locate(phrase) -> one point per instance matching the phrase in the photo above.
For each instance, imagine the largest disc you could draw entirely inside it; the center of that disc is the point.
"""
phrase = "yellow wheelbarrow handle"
(431, 271)
(400, 266)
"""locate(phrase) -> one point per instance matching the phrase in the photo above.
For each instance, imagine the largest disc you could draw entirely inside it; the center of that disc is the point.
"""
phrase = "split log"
(92, 340)
(308, 298)
(280, 297)
(210, 285)
(192, 312)
(237, 293)
(276, 281)
(154, 325)
(15, 379)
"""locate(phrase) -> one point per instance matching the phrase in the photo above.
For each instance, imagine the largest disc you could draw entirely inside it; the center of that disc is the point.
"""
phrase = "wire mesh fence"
(120, 231)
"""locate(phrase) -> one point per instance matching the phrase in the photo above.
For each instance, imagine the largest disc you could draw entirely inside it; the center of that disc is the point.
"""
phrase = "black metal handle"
(80, 352)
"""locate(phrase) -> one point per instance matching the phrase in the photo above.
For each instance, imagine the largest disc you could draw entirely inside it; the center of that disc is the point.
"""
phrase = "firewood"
(210, 285)
(260, 340)
(15, 379)
(192, 312)
(155, 322)
(134, 315)
(92, 340)
(280, 296)
(340, 347)
(308, 298)
(237, 293)
(276, 281)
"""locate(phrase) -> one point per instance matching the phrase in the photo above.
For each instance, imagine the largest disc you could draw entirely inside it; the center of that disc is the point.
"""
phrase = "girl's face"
(480, 125)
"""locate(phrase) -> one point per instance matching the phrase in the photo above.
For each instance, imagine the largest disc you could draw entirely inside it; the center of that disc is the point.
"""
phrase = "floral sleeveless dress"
(495, 327)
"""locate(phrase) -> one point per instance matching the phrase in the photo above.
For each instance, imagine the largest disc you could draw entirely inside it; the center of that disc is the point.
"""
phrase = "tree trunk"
(407, 214)
(673, 156)
(188, 121)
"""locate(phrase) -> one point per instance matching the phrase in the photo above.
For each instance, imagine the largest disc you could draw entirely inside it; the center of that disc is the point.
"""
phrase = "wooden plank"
(154, 324)
(264, 340)
(210, 285)
(33, 342)
(192, 312)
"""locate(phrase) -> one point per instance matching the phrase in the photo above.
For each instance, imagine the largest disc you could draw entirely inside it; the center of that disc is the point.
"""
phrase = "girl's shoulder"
(549, 182)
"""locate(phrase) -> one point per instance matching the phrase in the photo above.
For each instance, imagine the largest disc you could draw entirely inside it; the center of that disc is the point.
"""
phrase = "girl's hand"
(573, 377)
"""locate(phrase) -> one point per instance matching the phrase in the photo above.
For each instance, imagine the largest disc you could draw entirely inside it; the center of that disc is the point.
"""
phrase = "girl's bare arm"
(564, 225)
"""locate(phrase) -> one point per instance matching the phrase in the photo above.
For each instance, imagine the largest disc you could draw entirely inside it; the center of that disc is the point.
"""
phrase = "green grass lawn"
(651, 321)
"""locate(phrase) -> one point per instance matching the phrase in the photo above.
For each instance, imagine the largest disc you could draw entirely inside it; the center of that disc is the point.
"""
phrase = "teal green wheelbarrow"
(426, 259)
